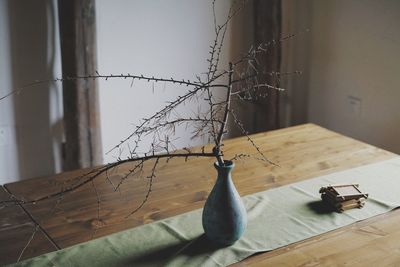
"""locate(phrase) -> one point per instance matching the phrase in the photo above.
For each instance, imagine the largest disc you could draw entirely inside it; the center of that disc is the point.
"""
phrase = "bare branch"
(104, 169)
(29, 242)
(242, 80)
(241, 127)
(151, 177)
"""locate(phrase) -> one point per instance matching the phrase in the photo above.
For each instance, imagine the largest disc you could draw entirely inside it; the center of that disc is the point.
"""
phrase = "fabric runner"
(276, 218)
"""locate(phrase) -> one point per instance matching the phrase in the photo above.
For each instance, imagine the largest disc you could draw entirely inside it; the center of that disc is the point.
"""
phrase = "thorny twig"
(237, 85)
(104, 169)
(244, 132)
(28, 243)
(151, 177)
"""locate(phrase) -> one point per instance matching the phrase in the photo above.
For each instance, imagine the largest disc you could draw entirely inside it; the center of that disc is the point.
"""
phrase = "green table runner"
(276, 218)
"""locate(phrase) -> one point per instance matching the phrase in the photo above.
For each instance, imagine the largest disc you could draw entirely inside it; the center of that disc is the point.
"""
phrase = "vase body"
(224, 215)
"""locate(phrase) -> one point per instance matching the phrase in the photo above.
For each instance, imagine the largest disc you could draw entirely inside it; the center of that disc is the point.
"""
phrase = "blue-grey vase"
(224, 215)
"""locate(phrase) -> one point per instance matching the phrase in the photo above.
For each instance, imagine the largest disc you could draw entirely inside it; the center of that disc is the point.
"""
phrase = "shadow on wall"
(242, 36)
(37, 112)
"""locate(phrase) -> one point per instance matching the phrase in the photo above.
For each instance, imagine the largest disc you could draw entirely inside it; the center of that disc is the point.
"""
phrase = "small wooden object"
(343, 197)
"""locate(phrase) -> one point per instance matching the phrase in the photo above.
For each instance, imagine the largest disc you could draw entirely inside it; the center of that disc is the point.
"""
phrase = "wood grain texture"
(302, 152)
(16, 229)
(372, 242)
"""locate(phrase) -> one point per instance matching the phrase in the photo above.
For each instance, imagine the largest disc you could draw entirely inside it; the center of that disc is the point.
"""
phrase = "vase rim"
(229, 164)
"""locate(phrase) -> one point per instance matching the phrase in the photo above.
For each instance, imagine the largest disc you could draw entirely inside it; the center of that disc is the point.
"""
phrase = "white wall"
(160, 38)
(352, 72)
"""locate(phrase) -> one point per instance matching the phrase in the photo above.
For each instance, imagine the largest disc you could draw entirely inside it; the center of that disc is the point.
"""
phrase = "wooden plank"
(16, 230)
(372, 242)
(302, 152)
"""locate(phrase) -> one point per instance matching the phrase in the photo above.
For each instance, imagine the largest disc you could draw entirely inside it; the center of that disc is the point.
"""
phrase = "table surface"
(301, 152)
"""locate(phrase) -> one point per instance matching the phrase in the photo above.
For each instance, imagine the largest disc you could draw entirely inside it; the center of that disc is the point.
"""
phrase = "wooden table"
(302, 152)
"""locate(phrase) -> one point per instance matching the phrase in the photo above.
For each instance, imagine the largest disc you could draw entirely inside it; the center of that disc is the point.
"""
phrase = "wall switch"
(354, 105)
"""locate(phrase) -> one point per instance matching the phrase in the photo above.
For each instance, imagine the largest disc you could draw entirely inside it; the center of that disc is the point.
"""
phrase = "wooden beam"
(81, 109)
(267, 23)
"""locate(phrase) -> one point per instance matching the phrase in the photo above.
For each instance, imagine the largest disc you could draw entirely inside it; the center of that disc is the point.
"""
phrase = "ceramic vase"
(224, 215)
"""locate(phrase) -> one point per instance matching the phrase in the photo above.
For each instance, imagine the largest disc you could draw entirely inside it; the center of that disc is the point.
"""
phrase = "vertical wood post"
(267, 23)
(80, 97)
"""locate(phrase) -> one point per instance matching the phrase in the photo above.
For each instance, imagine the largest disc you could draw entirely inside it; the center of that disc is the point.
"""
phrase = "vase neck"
(224, 171)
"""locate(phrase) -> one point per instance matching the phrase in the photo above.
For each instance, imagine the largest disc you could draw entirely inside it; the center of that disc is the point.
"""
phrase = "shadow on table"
(196, 247)
(320, 207)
